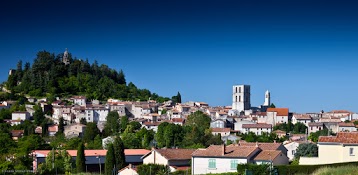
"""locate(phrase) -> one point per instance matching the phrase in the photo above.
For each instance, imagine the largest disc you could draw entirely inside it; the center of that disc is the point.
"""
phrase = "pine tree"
(80, 159)
(178, 98)
(119, 153)
(110, 160)
(61, 125)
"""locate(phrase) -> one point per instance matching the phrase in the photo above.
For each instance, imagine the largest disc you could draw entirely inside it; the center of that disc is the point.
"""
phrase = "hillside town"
(339, 145)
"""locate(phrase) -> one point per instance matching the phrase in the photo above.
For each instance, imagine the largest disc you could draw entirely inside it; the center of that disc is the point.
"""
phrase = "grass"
(346, 170)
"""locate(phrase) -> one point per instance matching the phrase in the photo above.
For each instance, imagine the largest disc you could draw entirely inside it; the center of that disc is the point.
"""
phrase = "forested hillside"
(50, 76)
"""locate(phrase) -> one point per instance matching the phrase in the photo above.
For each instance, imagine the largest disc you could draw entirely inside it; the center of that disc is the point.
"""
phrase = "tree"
(179, 97)
(7, 143)
(112, 125)
(91, 132)
(61, 125)
(306, 150)
(124, 123)
(136, 125)
(110, 160)
(299, 128)
(96, 144)
(200, 120)
(39, 115)
(272, 105)
(80, 159)
(119, 153)
(121, 77)
(315, 135)
(83, 121)
(62, 161)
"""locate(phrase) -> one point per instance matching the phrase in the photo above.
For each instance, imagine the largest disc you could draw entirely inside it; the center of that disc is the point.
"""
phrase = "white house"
(221, 158)
(346, 127)
(79, 100)
(277, 116)
(258, 128)
(314, 127)
(222, 131)
(301, 118)
(128, 170)
(218, 123)
(174, 158)
(239, 122)
(274, 157)
(20, 116)
(291, 149)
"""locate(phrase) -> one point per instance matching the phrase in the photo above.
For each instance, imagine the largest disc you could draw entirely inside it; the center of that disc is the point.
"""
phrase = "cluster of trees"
(298, 128)
(49, 76)
(315, 135)
(264, 137)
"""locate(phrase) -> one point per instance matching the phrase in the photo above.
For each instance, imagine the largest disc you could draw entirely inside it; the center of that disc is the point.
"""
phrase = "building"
(258, 128)
(301, 118)
(79, 100)
(20, 116)
(346, 127)
(221, 158)
(16, 134)
(267, 99)
(74, 130)
(174, 158)
(273, 157)
(241, 97)
(128, 170)
(65, 58)
(277, 116)
(224, 132)
(335, 149)
(314, 127)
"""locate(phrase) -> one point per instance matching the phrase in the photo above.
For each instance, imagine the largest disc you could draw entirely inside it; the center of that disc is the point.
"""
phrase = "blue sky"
(303, 51)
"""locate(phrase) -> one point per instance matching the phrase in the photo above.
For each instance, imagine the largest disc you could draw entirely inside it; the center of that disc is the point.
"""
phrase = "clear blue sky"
(303, 51)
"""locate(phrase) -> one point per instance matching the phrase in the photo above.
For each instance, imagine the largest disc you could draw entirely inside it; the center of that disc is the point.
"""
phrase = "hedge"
(306, 169)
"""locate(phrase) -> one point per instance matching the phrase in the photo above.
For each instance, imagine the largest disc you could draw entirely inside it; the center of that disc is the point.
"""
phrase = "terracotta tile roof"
(315, 124)
(261, 113)
(344, 124)
(257, 125)
(330, 120)
(342, 137)
(79, 97)
(302, 117)
(279, 131)
(152, 123)
(341, 111)
(178, 120)
(230, 151)
(17, 133)
(263, 146)
(268, 155)
(280, 111)
(220, 129)
(176, 154)
(53, 128)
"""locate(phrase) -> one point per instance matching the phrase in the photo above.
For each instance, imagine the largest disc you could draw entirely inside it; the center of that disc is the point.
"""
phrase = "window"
(351, 150)
(212, 164)
(233, 164)
(239, 98)
(239, 89)
(236, 89)
(89, 118)
(293, 152)
(236, 99)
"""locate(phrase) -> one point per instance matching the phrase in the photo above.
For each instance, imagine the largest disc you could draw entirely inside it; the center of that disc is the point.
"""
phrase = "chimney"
(223, 149)
(257, 145)
(274, 141)
(130, 166)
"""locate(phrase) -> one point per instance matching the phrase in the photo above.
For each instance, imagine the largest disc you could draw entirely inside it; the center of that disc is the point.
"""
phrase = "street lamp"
(99, 163)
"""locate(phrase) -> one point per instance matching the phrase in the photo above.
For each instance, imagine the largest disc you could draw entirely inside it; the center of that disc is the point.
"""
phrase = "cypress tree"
(110, 161)
(80, 159)
(178, 98)
(61, 125)
(119, 153)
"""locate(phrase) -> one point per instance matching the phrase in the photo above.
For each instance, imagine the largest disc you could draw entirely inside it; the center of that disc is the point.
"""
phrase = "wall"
(200, 165)
(159, 159)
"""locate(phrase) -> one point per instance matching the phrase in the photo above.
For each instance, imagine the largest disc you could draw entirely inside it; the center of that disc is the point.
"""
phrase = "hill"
(63, 75)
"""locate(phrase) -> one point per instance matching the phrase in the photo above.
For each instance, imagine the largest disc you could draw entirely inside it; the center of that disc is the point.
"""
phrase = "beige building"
(75, 130)
(335, 149)
(258, 128)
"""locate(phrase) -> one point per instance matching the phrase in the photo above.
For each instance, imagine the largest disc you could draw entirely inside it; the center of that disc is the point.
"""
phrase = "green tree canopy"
(81, 159)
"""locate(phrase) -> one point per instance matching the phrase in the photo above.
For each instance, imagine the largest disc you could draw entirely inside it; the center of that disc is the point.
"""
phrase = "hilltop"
(63, 75)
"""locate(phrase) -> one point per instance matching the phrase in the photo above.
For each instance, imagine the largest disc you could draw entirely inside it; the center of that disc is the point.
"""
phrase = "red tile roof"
(280, 111)
(17, 133)
(174, 154)
(257, 125)
(315, 124)
(268, 155)
(302, 117)
(342, 137)
(263, 146)
(73, 153)
(53, 128)
(344, 124)
(220, 129)
(230, 151)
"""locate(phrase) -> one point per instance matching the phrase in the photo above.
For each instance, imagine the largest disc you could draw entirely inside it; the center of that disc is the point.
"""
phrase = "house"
(151, 125)
(224, 132)
(335, 149)
(74, 130)
(128, 170)
(291, 147)
(331, 123)
(79, 100)
(221, 115)
(38, 130)
(346, 127)
(280, 133)
(221, 158)
(218, 124)
(277, 116)
(52, 130)
(258, 128)
(273, 157)
(314, 127)
(178, 121)
(16, 134)
(174, 158)
(301, 118)
(20, 116)
(239, 122)
(264, 146)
